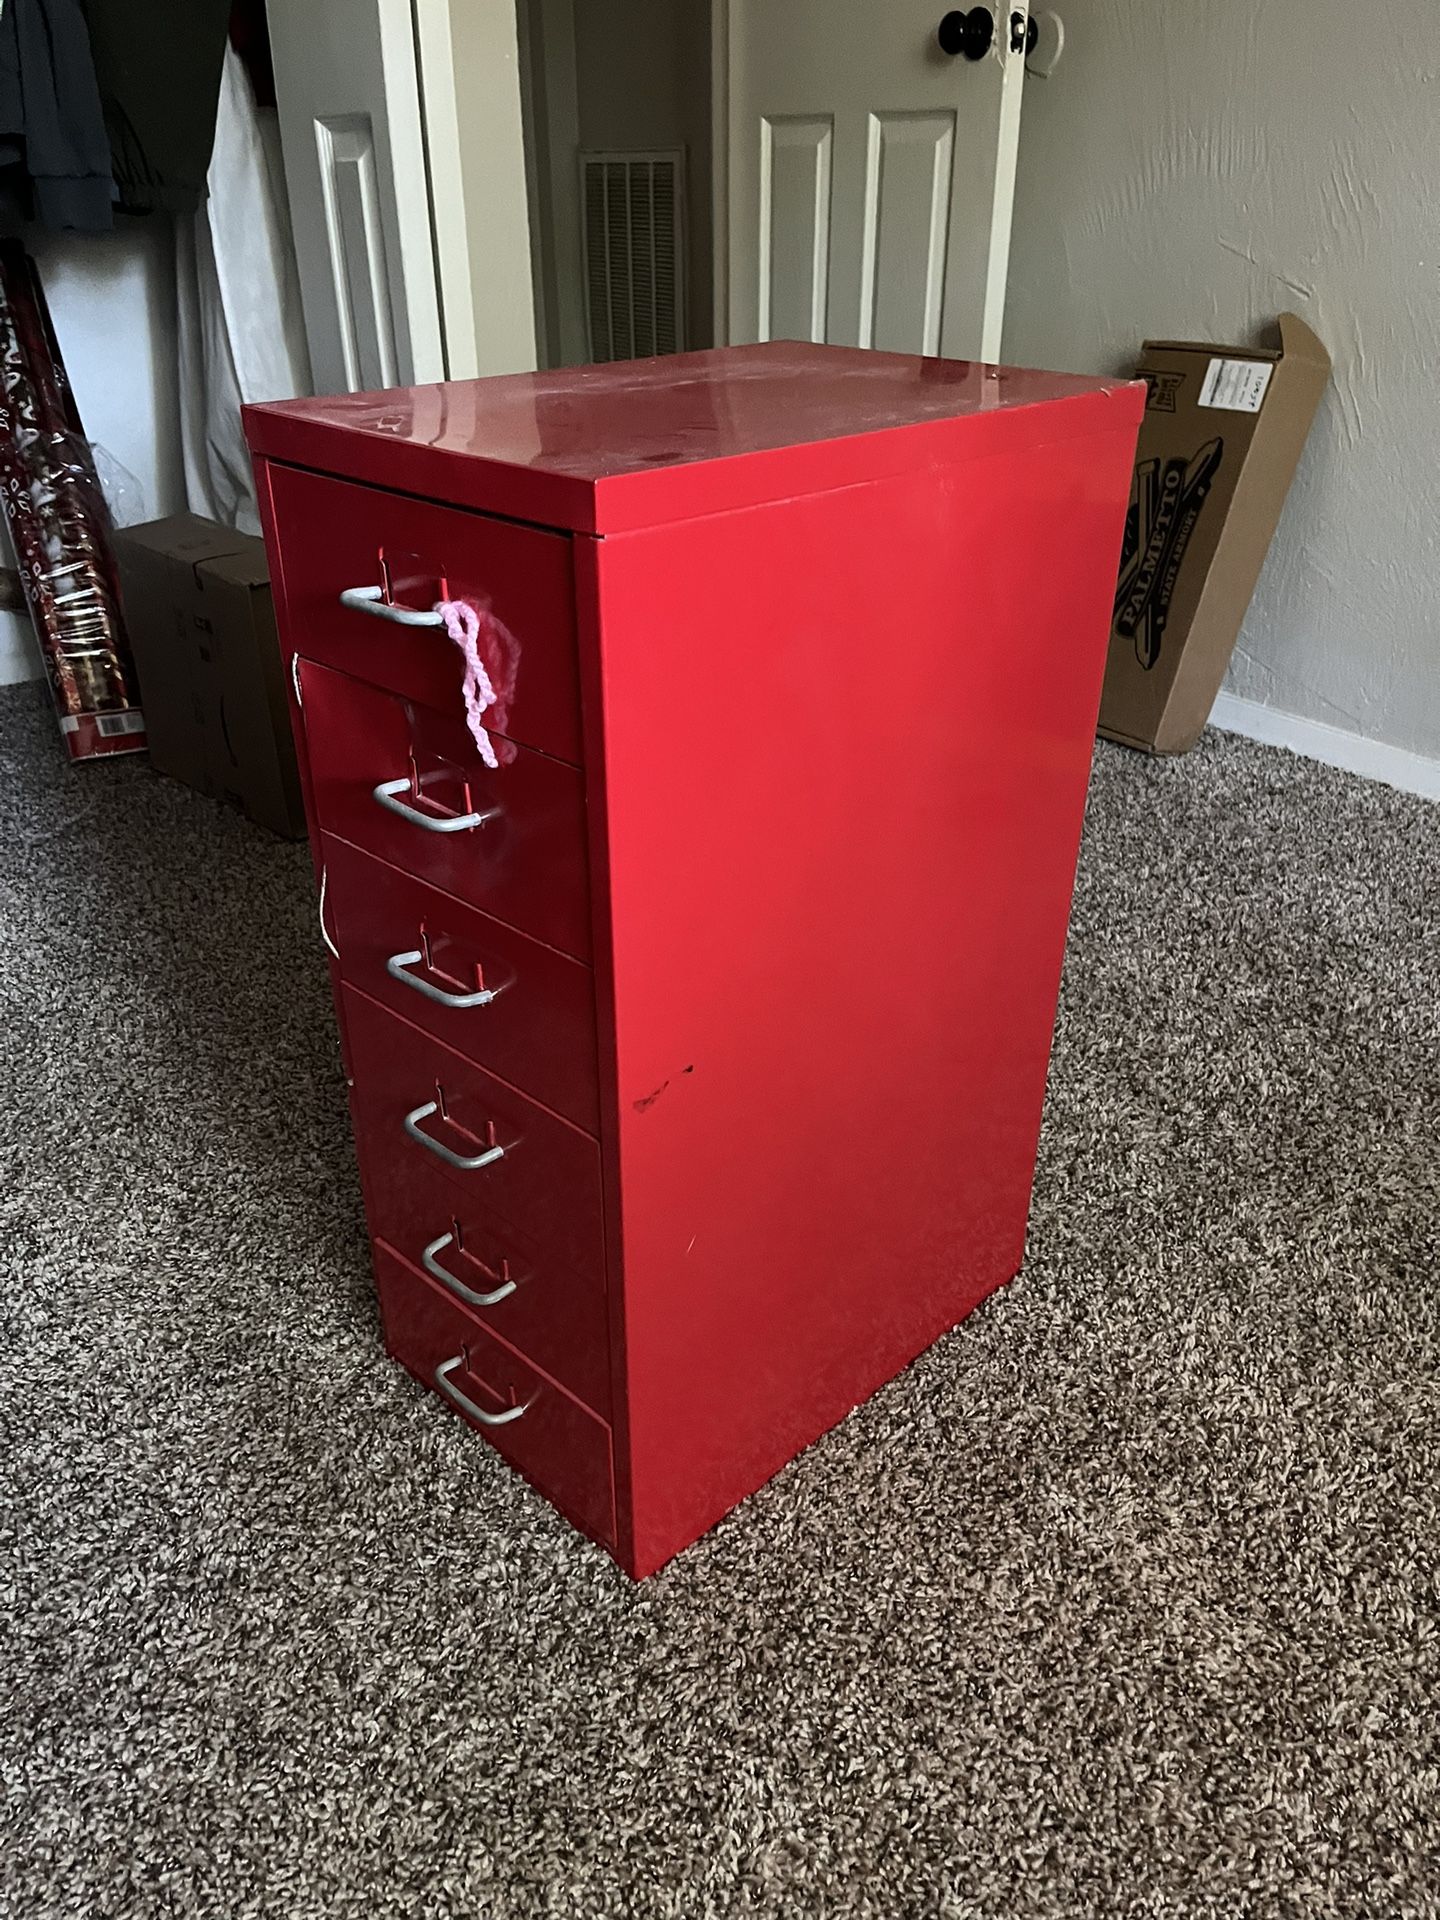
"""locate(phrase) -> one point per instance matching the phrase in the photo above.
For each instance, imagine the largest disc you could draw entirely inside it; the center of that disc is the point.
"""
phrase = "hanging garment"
(242, 334)
(250, 37)
(54, 153)
(158, 66)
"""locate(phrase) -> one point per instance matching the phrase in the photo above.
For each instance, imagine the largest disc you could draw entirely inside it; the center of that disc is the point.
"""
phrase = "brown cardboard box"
(1219, 444)
(197, 608)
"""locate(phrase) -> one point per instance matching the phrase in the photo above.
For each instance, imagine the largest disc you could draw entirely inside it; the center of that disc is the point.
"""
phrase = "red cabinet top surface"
(605, 449)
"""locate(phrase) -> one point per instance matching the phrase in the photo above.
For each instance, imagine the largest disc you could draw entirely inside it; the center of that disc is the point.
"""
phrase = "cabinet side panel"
(847, 740)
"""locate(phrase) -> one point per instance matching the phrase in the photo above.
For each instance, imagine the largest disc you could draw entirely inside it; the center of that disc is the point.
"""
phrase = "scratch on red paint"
(647, 1100)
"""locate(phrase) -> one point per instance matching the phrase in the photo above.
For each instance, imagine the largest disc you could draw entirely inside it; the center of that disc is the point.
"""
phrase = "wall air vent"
(634, 253)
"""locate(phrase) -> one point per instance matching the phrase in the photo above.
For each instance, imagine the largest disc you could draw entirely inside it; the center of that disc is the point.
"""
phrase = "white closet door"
(870, 173)
(352, 129)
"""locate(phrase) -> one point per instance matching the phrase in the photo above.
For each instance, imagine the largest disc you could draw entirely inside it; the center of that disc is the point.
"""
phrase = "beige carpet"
(1122, 1602)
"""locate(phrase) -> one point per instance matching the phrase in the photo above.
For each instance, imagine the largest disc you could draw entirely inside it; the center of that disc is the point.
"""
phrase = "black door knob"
(972, 33)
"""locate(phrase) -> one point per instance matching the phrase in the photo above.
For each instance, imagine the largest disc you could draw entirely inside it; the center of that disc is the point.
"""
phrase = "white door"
(870, 172)
(405, 171)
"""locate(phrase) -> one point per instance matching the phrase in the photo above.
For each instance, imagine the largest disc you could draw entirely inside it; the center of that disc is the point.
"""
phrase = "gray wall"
(1191, 170)
(643, 72)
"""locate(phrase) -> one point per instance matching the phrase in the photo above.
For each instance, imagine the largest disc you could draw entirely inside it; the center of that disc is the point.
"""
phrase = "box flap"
(244, 566)
(184, 537)
(1300, 342)
(1210, 348)
(1297, 342)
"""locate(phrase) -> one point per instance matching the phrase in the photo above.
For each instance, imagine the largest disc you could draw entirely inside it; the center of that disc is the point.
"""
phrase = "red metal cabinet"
(419, 1107)
(512, 1004)
(772, 876)
(538, 1427)
(417, 553)
(523, 859)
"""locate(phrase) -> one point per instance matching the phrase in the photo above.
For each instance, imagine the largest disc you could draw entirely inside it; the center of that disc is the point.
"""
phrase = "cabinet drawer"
(520, 858)
(539, 1429)
(556, 1317)
(433, 961)
(335, 535)
(417, 1105)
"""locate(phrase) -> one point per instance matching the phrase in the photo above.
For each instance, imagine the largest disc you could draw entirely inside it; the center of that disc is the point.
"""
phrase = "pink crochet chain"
(462, 623)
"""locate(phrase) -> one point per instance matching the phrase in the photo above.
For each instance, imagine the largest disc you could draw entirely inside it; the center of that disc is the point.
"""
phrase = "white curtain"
(242, 334)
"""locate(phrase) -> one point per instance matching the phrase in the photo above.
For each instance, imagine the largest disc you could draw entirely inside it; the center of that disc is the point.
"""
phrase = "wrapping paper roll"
(60, 527)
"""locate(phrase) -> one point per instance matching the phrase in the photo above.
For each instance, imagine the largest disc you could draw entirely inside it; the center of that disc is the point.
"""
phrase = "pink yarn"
(462, 623)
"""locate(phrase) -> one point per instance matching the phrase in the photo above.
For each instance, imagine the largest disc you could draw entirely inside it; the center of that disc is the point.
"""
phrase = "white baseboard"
(1411, 772)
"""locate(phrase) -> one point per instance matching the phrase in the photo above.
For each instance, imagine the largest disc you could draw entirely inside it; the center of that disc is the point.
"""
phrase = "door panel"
(907, 223)
(355, 167)
(869, 176)
(359, 282)
(794, 228)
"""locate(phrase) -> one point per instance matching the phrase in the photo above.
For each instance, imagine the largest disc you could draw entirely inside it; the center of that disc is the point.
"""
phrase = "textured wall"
(1190, 171)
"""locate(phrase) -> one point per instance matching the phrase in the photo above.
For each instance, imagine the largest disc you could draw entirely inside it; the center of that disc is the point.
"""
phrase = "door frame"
(550, 82)
(720, 26)
(480, 213)
(549, 75)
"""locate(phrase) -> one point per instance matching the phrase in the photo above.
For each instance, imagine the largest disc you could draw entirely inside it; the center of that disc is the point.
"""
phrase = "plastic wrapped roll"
(60, 527)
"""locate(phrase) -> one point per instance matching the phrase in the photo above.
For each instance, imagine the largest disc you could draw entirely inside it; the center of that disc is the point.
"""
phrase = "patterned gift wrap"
(60, 527)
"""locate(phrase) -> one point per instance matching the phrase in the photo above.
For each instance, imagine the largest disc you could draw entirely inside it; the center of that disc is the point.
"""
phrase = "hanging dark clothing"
(158, 66)
(54, 153)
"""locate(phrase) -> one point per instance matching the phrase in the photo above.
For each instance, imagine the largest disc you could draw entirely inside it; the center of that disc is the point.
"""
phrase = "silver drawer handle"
(438, 1147)
(388, 794)
(398, 967)
(467, 1405)
(372, 600)
(457, 1287)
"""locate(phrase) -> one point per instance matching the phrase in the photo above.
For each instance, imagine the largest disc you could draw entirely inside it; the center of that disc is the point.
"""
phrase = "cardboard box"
(198, 612)
(1222, 435)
